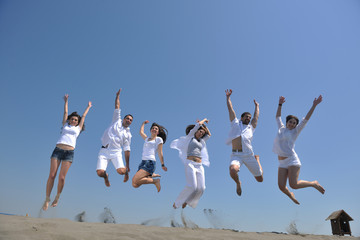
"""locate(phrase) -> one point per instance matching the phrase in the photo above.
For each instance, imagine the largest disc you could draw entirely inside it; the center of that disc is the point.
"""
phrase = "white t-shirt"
(150, 147)
(284, 143)
(68, 135)
(116, 136)
(246, 132)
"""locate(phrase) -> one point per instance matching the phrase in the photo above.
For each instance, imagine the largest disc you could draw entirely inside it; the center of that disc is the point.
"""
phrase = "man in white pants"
(240, 137)
(117, 137)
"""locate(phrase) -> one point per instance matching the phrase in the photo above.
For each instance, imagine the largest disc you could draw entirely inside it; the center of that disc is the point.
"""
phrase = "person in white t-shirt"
(240, 137)
(116, 138)
(284, 147)
(63, 153)
(147, 167)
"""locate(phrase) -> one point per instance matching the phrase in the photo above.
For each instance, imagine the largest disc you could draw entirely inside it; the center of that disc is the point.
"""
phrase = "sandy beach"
(20, 227)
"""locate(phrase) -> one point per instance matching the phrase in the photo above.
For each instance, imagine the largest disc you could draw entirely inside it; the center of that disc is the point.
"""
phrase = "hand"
(281, 100)
(89, 104)
(317, 100)
(146, 122)
(66, 97)
(256, 103)
(118, 92)
(228, 92)
(164, 168)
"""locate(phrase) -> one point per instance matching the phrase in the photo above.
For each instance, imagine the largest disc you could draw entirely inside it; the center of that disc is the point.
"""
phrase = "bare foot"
(238, 188)
(157, 184)
(46, 204)
(292, 197)
(319, 187)
(107, 182)
(56, 200)
(155, 175)
(126, 177)
(184, 205)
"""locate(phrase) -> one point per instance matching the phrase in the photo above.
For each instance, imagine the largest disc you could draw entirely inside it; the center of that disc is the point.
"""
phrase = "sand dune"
(19, 228)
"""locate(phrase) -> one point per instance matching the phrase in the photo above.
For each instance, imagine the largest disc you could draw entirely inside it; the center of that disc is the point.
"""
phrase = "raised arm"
(142, 133)
(81, 124)
(281, 101)
(117, 99)
(205, 120)
(256, 114)
(232, 115)
(161, 156)
(315, 103)
(65, 116)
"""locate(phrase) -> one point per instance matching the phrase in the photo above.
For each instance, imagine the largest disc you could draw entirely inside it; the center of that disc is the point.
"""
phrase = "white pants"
(108, 155)
(195, 185)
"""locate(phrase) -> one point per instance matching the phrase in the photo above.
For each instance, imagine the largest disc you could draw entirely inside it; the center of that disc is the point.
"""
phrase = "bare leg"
(63, 171)
(234, 169)
(282, 179)
(259, 178)
(54, 166)
(103, 174)
(294, 183)
(122, 171)
(142, 177)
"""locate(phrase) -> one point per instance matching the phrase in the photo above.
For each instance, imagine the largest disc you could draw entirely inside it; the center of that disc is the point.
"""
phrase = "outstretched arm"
(281, 101)
(315, 103)
(117, 99)
(81, 124)
(232, 115)
(256, 114)
(66, 100)
(142, 133)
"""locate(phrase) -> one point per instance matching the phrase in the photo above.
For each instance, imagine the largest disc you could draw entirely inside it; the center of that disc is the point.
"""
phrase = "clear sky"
(174, 60)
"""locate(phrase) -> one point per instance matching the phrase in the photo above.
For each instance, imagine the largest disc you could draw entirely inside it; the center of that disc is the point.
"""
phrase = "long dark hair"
(162, 131)
(75, 114)
(189, 127)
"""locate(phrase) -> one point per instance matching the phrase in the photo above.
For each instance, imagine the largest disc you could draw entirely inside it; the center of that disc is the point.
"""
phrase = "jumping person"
(284, 147)
(63, 153)
(146, 169)
(240, 137)
(117, 137)
(193, 153)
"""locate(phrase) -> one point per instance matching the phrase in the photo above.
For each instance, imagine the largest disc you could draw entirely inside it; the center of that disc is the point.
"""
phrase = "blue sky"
(174, 60)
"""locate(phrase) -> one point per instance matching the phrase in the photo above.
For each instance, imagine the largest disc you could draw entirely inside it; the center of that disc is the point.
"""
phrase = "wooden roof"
(339, 213)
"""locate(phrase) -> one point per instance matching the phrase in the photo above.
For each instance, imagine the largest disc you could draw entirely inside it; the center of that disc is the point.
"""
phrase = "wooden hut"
(340, 223)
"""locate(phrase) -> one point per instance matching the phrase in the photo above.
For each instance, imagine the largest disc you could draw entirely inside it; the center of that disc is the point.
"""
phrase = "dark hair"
(189, 127)
(75, 114)
(288, 117)
(162, 131)
(128, 115)
(245, 113)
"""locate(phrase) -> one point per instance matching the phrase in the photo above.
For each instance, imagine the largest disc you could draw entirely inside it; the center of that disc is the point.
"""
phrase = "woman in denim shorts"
(146, 169)
(63, 153)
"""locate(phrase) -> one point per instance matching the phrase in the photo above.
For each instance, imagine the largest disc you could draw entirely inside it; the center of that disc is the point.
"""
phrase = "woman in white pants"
(193, 152)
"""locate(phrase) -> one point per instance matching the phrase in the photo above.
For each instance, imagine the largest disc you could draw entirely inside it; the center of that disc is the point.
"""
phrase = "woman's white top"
(68, 135)
(284, 143)
(246, 132)
(181, 144)
(150, 147)
(116, 136)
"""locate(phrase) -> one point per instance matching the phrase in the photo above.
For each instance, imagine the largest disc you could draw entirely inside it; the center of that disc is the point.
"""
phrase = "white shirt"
(150, 147)
(284, 143)
(246, 132)
(116, 136)
(69, 134)
(182, 145)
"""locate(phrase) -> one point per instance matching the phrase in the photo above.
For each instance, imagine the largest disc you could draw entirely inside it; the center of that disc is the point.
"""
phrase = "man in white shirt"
(240, 137)
(117, 137)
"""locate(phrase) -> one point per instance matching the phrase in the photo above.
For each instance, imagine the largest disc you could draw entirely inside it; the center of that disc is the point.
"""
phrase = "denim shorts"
(148, 165)
(63, 155)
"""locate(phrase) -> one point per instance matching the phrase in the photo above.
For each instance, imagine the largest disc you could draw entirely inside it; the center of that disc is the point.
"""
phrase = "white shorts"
(290, 161)
(249, 161)
(106, 155)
